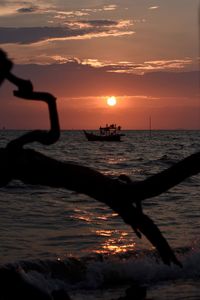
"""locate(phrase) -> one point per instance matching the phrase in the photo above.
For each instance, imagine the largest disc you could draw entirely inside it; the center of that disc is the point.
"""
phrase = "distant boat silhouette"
(109, 133)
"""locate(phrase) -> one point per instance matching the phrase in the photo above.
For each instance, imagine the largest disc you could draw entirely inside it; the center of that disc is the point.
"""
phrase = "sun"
(111, 101)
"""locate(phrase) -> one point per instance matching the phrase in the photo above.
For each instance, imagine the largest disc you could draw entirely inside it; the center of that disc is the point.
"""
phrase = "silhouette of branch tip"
(26, 91)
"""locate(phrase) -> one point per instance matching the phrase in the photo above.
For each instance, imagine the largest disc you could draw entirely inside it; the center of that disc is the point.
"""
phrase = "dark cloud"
(26, 35)
(100, 23)
(27, 9)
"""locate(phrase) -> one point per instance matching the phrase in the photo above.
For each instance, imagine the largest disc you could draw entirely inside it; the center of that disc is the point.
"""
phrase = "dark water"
(85, 245)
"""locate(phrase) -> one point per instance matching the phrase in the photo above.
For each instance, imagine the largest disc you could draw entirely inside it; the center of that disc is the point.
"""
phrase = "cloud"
(18, 7)
(30, 9)
(99, 24)
(28, 35)
(9, 7)
(133, 68)
(64, 14)
(71, 30)
(92, 24)
(174, 64)
(85, 11)
(110, 7)
(153, 7)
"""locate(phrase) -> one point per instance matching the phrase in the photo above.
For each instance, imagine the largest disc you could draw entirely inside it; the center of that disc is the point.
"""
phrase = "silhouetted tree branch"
(122, 195)
(25, 91)
(163, 181)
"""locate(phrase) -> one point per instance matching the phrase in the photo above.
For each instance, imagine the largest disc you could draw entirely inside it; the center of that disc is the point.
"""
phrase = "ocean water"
(58, 239)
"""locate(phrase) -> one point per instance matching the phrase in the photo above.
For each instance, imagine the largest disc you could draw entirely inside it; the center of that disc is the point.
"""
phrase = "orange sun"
(111, 101)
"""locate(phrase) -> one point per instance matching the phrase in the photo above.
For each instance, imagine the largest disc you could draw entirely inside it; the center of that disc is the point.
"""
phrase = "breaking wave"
(41, 279)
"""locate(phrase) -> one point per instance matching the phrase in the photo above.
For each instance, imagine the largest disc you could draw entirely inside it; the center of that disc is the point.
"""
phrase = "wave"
(53, 279)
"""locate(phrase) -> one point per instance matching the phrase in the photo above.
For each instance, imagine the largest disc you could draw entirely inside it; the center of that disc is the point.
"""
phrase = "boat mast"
(150, 126)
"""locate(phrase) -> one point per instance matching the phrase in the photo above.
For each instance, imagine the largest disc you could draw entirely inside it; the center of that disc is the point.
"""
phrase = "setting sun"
(111, 101)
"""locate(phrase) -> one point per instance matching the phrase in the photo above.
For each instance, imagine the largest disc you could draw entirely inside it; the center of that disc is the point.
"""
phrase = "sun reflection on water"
(115, 244)
(91, 217)
(83, 218)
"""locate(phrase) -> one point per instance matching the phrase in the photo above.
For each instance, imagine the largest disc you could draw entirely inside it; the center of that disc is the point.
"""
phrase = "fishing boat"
(109, 133)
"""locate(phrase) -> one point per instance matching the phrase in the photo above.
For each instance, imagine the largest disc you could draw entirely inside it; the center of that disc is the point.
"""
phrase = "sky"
(143, 52)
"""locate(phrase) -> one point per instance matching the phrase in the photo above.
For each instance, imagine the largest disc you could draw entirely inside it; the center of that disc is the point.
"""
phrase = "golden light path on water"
(115, 244)
(113, 241)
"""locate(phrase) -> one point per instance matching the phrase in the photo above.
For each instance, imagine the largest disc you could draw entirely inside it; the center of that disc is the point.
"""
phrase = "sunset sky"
(143, 52)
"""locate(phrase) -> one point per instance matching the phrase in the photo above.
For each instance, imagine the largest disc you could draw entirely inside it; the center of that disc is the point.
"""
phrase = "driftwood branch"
(32, 167)
(122, 195)
(25, 91)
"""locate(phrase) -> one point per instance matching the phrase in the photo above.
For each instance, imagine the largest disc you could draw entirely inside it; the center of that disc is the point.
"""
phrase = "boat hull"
(106, 138)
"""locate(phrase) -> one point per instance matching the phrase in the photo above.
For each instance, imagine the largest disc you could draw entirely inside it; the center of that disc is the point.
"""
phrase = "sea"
(62, 242)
